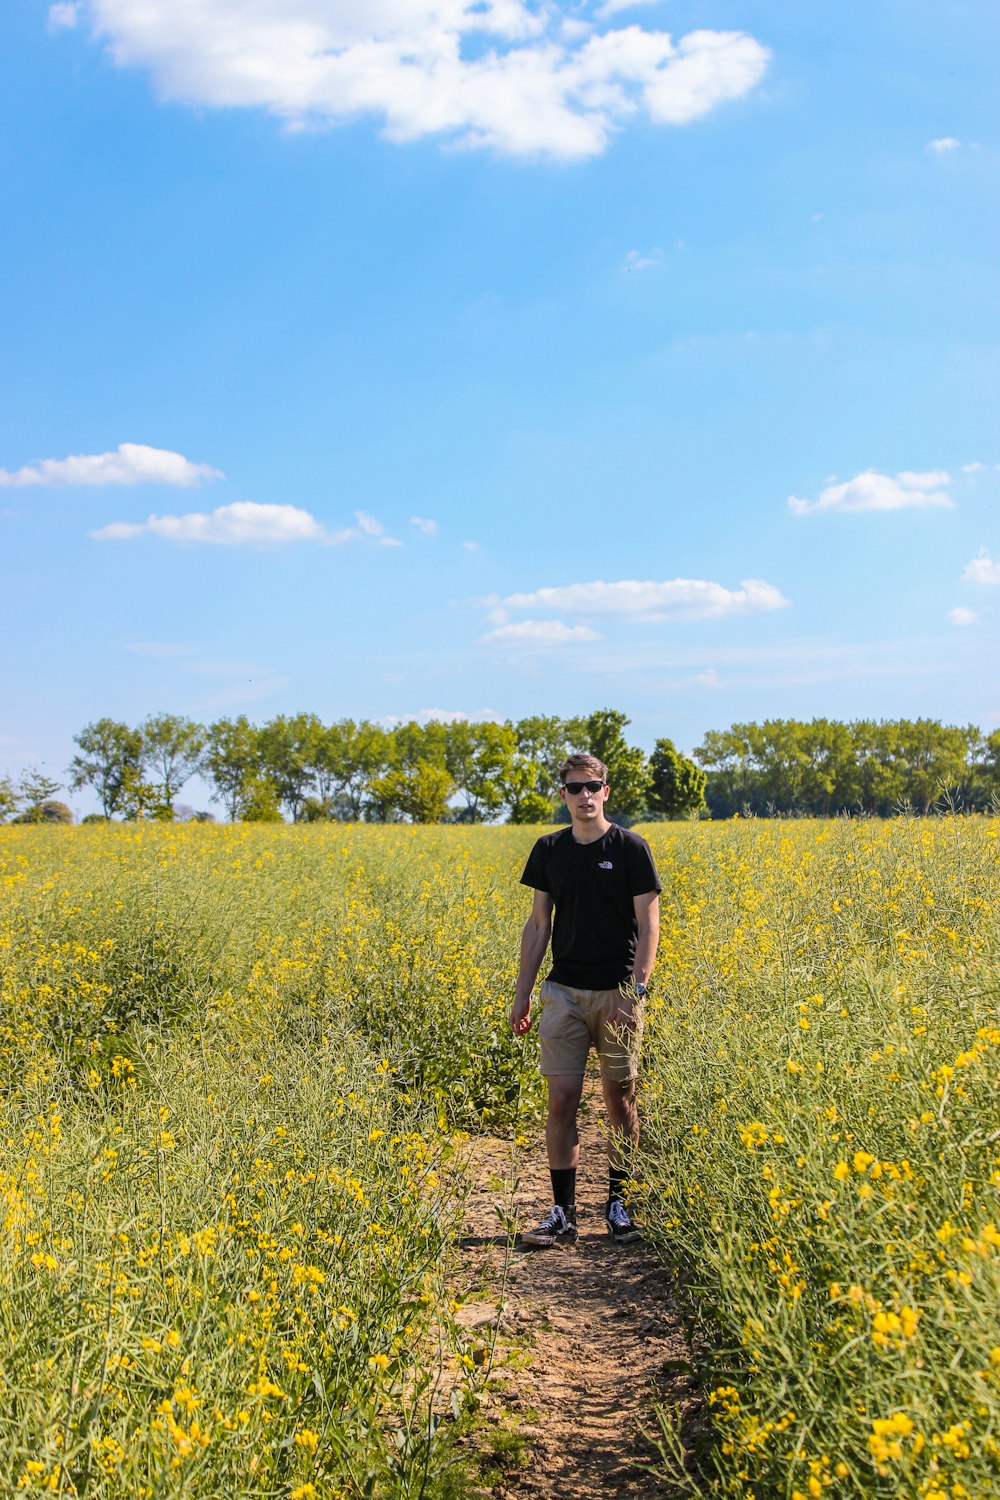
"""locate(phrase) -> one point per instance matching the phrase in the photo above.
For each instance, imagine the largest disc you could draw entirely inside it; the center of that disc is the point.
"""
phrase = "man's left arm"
(647, 916)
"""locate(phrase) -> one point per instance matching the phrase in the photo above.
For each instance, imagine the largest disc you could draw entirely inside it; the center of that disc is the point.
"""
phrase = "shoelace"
(618, 1214)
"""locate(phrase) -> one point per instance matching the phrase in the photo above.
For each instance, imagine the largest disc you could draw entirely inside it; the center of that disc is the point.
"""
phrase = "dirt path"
(589, 1338)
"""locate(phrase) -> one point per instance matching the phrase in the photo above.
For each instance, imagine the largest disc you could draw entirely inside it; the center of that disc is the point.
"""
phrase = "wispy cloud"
(943, 145)
(130, 463)
(368, 526)
(540, 633)
(240, 524)
(674, 598)
(982, 569)
(639, 260)
(424, 526)
(509, 75)
(247, 523)
(64, 16)
(613, 7)
(874, 491)
(962, 616)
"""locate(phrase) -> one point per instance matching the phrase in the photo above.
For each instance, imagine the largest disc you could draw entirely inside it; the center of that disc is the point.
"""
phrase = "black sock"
(563, 1186)
(618, 1180)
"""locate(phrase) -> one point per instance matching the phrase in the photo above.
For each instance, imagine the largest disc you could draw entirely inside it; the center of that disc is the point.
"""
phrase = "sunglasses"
(576, 787)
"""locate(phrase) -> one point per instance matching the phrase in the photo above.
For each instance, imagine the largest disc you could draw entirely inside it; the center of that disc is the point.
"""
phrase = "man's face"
(587, 804)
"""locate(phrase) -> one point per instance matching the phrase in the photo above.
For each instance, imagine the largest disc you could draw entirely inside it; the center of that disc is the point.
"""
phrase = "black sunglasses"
(576, 787)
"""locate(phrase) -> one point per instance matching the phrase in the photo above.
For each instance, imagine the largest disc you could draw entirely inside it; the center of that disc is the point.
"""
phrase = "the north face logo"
(605, 864)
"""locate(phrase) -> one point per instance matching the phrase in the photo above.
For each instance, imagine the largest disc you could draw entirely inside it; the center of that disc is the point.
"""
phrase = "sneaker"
(621, 1226)
(557, 1228)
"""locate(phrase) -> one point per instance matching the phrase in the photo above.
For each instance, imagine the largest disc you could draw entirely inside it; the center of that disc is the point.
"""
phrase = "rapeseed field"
(237, 1065)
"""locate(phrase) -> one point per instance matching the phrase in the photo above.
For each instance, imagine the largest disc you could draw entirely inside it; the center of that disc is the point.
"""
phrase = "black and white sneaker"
(557, 1228)
(621, 1226)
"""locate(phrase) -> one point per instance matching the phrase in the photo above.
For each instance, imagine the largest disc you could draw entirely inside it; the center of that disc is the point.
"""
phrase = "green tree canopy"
(230, 759)
(628, 768)
(172, 749)
(677, 785)
(108, 752)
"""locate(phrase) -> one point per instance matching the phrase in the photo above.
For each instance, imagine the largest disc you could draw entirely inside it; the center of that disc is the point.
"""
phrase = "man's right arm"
(534, 941)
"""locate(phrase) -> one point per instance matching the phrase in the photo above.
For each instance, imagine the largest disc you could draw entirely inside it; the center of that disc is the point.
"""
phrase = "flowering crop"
(820, 1098)
(233, 1062)
(227, 1175)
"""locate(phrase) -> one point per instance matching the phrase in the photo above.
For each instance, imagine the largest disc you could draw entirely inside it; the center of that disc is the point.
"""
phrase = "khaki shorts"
(573, 1021)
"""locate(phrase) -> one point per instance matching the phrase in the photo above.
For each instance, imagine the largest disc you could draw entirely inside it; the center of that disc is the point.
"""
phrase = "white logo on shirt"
(605, 864)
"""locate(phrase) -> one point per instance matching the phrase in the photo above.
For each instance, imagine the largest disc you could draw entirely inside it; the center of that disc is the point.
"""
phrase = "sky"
(424, 358)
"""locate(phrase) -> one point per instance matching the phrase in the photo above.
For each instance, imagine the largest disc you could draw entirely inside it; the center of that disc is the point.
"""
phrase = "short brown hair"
(580, 762)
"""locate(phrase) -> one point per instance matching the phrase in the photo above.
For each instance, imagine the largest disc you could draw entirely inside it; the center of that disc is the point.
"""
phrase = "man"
(601, 881)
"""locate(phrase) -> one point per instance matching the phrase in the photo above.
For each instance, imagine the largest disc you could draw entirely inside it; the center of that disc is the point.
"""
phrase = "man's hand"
(520, 1016)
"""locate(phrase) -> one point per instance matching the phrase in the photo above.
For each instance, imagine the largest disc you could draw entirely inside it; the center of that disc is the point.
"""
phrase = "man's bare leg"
(562, 1143)
(623, 1121)
(562, 1140)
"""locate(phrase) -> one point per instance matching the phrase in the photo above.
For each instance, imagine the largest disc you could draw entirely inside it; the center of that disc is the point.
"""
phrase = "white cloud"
(511, 75)
(710, 678)
(368, 526)
(541, 633)
(974, 468)
(962, 616)
(230, 525)
(64, 15)
(943, 145)
(636, 260)
(982, 569)
(612, 7)
(130, 463)
(873, 491)
(247, 523)
(424, 526)
(685, 598)
(471, 546)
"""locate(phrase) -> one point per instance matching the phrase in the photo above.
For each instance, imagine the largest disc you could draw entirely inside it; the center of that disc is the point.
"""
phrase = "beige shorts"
(573, 1021)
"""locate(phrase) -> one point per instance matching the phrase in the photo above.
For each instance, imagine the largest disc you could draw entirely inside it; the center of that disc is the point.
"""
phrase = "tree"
(230, 760)
(53, 811)
(365, 752)
(172, 749)
(628, 768)
(726, 756)
(8, 798)
(143, 799)
(677, 785)
(34, 791)
(479, 758)
(419, 792)
(545, 742)
(259, 801)
(288, 753)
(108, 750)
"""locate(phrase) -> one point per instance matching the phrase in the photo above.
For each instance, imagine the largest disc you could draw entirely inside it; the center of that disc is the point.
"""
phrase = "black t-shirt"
(592, 885)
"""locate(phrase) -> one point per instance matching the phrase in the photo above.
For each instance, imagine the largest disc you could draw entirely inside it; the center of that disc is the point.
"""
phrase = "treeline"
(296, 766)
(299, 767)
(823, 767)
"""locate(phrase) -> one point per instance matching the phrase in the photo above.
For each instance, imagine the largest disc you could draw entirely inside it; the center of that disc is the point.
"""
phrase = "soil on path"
(590, 1337)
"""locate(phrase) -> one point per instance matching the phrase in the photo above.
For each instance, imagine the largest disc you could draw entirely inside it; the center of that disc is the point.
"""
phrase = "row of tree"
(299, 767)
(824, 767)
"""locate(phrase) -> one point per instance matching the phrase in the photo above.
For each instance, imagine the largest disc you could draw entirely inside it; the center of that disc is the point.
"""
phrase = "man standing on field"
(601, 881)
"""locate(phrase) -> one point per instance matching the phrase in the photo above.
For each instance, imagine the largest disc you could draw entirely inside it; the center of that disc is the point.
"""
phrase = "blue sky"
(421, 356)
